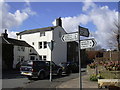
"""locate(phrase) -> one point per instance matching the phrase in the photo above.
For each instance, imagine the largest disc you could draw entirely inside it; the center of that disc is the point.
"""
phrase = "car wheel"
(29, 77)
(60, 73)
(69, 72)
(41, 75)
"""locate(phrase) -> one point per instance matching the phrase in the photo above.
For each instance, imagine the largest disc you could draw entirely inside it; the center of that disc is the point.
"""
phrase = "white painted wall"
(60, 50)
(20, 53)
(35, 37)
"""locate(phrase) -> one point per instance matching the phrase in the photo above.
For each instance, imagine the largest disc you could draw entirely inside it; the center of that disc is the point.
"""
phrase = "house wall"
(0, 55)
(35, 37)
(60, 49)
(7, 56)
(19, 54)
(114, 55)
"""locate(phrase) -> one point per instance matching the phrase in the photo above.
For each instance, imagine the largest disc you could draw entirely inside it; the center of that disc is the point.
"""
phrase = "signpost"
(83, 31)
(83, 44)
(74, 36)
(70, 37)
(88, 43)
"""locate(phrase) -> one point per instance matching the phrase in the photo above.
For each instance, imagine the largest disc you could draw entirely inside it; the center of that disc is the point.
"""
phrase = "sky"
(98, 17)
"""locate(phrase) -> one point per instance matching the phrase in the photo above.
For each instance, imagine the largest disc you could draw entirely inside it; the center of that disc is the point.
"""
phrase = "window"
(30, 50)
(23, 48)
(40, 57)
(18, 48)
(18, 58)
(32, 57)
(45, 44)
(44, 58)
(22, 58)
(32, 43)
(42, 34)
(40, 45)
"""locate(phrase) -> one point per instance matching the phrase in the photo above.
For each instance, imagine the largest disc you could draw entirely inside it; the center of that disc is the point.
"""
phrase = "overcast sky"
(98, 17)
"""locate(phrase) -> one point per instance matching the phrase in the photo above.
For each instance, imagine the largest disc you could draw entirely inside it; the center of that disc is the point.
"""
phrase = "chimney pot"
(59, 22)
(5, 35)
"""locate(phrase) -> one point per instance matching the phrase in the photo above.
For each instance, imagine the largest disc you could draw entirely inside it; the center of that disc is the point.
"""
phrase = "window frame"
(44, 57)
(32, 56)
(40, 45)
(42, 34)
(40, 57)
(23, 49)
(45, 44)
(33, 43)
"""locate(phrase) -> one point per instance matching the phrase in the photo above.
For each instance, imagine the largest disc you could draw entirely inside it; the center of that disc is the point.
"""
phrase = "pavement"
(74, 83)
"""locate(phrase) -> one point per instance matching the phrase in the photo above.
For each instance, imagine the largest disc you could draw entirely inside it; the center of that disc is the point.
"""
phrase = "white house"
(15, 51)
(41, 39)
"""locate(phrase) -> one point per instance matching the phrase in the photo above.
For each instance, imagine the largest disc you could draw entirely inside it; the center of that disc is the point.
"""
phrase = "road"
(15, 80)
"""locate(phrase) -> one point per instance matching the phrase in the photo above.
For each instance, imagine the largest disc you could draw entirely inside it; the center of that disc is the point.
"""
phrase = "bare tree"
(117, 33)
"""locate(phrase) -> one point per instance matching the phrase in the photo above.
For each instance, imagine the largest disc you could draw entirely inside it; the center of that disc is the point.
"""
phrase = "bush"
(93, 65)
(95, 77)
(112, 65)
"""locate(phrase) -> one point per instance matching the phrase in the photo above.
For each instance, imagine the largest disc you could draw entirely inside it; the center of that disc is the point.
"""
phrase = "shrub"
(95, 77)
(112, 65)
(93, 65)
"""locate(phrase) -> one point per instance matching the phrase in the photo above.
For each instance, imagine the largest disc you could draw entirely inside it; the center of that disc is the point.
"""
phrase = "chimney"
(59, 22)
(5, 35)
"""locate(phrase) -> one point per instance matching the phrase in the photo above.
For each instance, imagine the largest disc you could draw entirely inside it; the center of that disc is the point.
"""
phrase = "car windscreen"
(63, 64)
(26, 63)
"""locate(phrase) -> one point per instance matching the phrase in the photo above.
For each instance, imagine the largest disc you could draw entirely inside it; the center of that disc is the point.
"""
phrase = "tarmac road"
(15, 80)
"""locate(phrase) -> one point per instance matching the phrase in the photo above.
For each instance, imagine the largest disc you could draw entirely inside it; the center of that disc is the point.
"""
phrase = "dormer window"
(42, 34)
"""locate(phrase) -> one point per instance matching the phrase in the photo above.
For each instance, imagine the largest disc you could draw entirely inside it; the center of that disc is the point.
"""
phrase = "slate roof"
(37, 30)
(14, 42)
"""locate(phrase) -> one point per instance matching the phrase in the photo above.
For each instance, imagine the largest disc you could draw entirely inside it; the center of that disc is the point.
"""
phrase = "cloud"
(70, 24)
(12, 34)
(102, 17)
(27, 2)
(10, 20)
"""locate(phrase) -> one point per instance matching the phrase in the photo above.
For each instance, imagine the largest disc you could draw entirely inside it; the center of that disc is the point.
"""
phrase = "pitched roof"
(15, 42)
(37, 30)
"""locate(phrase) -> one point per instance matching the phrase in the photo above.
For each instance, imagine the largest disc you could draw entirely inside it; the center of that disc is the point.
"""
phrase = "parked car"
(74, 66)
(40, 69)
(65, 68)
(69, 67)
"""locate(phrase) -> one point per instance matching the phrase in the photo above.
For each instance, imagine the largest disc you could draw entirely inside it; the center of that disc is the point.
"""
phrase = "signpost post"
(80, 81)
(52, 46)
(81, 32)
